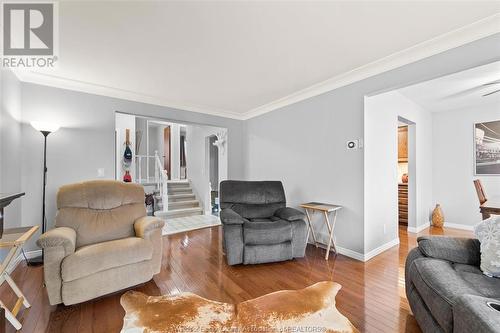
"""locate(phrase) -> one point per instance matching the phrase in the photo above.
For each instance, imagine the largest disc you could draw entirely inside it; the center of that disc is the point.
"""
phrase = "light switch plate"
(100, 172)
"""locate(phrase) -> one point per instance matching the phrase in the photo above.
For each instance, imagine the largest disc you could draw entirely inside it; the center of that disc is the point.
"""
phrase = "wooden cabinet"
(403, 144)
(403, 203)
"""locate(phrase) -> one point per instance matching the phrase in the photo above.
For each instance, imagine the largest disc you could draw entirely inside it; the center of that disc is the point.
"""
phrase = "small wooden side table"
(325, 209)
(14, 240)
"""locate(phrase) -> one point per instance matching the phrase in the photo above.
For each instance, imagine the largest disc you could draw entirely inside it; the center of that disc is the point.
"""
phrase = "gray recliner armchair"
(257, 225)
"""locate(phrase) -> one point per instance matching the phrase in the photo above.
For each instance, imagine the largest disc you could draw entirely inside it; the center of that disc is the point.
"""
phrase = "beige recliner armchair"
(102, 241)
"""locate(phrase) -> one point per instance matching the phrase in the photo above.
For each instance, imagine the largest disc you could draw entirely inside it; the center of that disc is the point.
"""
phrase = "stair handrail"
(161, 178)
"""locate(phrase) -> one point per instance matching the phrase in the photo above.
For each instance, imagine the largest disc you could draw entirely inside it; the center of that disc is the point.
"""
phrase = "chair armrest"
(459, 250)
(289, 214)
(229, 216)
(472, 314)
(62, 236)
(143, 226)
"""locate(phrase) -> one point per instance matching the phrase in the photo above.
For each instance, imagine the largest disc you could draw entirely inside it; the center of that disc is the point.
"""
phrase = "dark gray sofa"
(446, 289)
(257, 225)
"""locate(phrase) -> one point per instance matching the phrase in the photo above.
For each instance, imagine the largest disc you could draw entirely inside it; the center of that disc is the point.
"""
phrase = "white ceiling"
(233, 58)
(459, 90)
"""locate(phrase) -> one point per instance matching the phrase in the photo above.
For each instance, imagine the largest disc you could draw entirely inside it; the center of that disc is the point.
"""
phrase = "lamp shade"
(44, 126)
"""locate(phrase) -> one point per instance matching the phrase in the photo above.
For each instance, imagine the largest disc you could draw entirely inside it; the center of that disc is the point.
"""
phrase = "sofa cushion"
(252, 211)
(269, 232)
(270, 219)
(484, 285)
(251, 192)
(95, 258)
(259, 254)
(441, 282)
(459, 250)
(100, 210)
(439, 285)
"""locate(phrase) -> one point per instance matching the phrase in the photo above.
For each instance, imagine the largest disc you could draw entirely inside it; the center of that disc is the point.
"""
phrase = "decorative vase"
(404, 178)
(437, 217)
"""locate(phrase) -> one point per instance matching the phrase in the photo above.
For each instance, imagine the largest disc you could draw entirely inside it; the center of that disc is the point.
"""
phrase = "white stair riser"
(186, 185)
(180, 191)
(183, 204)
(177, 213)
(180, 198)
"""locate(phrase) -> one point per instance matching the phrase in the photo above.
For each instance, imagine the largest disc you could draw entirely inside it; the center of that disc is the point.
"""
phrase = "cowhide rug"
(311, 309)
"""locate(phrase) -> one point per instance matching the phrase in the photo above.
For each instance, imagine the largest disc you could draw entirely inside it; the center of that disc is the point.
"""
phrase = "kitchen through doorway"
(406, 171)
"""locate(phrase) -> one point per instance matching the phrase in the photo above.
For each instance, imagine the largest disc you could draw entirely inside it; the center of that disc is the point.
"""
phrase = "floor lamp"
(45, 129)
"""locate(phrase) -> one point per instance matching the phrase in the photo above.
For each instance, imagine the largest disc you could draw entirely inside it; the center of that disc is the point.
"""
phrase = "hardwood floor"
(372, 296)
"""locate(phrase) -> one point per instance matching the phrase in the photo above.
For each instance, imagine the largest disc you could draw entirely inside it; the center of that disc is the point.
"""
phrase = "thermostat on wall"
(352, 144)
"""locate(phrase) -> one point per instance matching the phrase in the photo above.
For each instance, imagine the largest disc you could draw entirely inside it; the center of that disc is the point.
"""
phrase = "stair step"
(178, 184)
(180, 190)
(179, 213)
(181, 197)
(183, 204)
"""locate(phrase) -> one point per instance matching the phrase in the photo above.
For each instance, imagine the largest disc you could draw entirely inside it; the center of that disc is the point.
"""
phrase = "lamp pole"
(45, 134)
(39, 260)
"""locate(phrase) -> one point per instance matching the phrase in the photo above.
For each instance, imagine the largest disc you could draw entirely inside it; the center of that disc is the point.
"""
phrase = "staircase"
(181, 201)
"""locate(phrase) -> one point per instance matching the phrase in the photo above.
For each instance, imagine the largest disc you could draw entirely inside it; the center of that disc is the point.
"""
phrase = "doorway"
(406, 171)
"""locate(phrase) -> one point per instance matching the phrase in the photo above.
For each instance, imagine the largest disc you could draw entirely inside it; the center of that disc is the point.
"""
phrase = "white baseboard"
(342, 250)
(350, 253)
(416, 230)
(380, 249)
(458, 226)
(360, 256)
(16, 261)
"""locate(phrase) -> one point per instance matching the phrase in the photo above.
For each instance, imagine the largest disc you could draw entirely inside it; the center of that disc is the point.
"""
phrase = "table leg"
(333, 228)
(10, 317)
(311, 227)
(331, 241)
(17, 291)
(4, 276)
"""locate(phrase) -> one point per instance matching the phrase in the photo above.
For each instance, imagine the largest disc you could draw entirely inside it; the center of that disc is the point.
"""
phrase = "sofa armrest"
(289, 214)
(473, 314)
(57, 244)
(229, 216)
(150, 228)
(459, 250)
(145, 225)
(62, 236)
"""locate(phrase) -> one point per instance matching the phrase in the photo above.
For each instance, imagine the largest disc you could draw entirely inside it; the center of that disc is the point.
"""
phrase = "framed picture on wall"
(487, 148)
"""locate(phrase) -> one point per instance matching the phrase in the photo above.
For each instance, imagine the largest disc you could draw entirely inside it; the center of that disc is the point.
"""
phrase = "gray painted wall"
(453, 163)
(85, 141)
(304, 144)
(10, 144)
(10, 147)
(380, 162)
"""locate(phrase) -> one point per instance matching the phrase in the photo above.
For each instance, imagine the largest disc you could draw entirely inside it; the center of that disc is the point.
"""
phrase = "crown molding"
(464, 35)
(96, 89)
